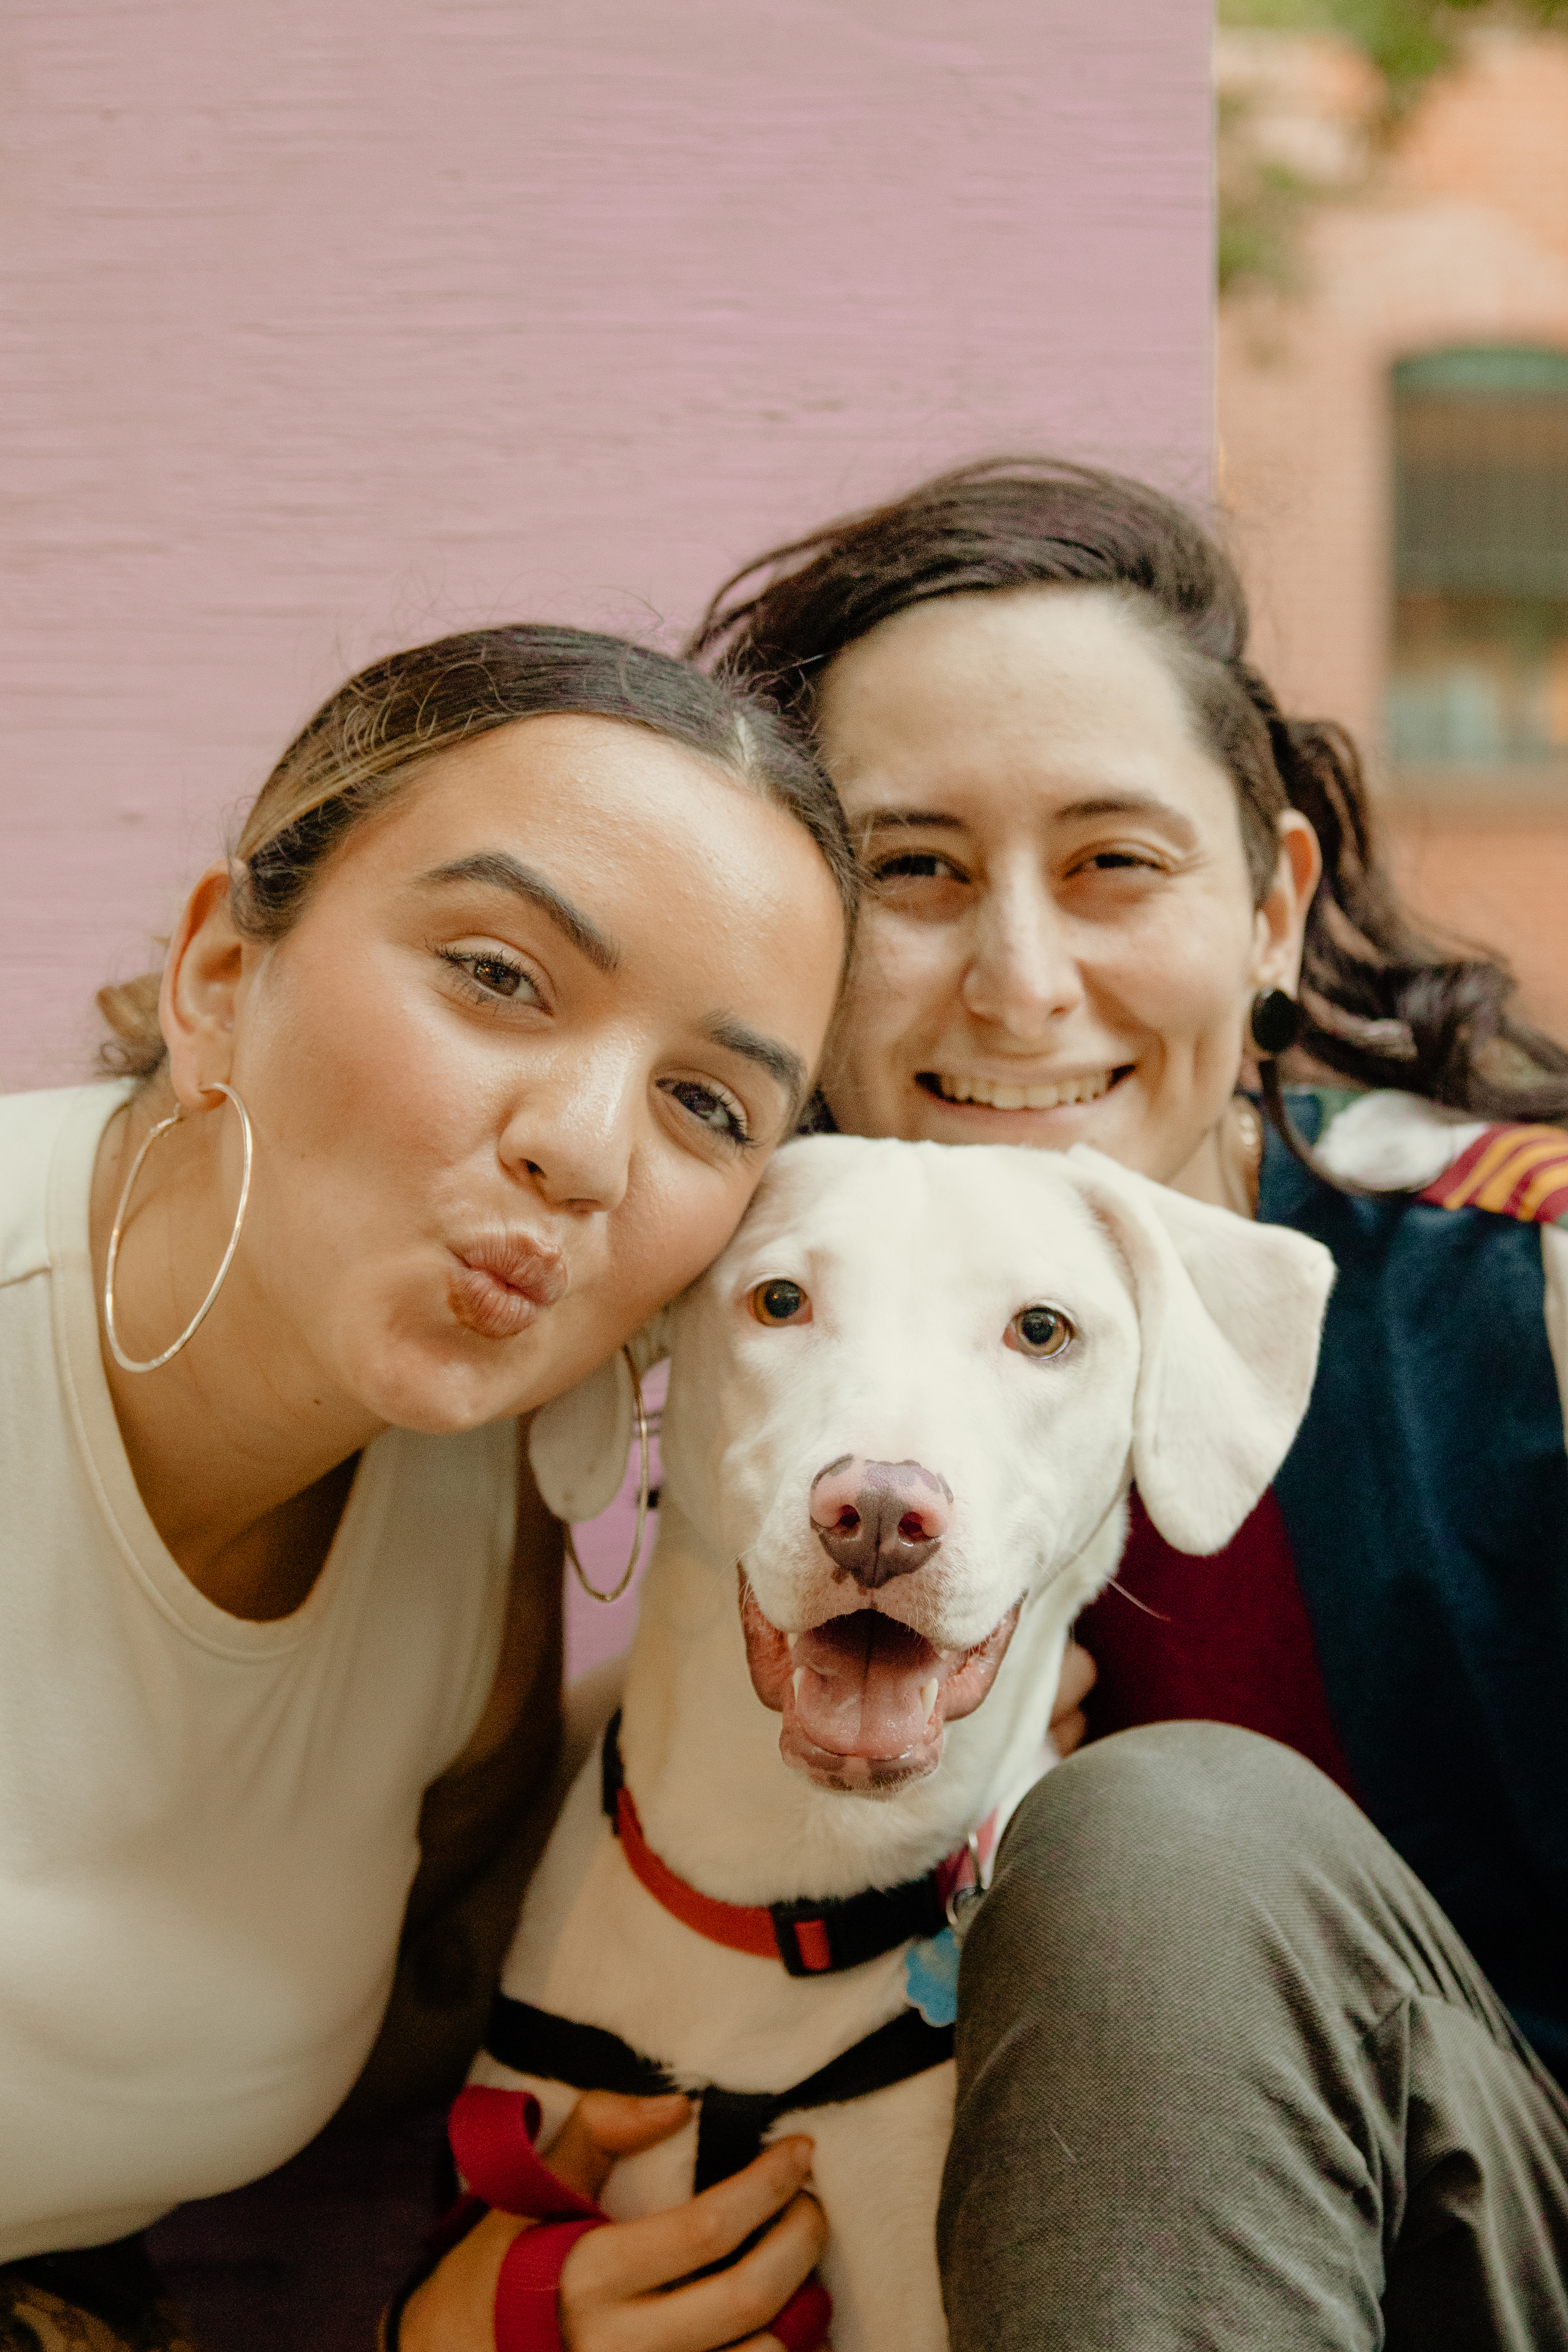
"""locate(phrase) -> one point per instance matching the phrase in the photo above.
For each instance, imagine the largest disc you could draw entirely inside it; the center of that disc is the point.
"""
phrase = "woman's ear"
(201, 983)
(1281, 918)
(580, 1444)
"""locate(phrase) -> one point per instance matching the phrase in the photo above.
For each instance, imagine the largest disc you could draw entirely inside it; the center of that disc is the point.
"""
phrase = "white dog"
(904, 1409)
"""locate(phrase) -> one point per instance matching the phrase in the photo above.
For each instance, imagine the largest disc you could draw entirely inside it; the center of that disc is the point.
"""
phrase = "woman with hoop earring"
(468, 1060)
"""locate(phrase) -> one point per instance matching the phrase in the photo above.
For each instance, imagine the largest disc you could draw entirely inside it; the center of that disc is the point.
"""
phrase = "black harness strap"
(858, 1927)
(536, 2042)
(731, 2125)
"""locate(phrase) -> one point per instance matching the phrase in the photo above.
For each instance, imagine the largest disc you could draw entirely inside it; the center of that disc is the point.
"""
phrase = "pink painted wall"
(325, 328)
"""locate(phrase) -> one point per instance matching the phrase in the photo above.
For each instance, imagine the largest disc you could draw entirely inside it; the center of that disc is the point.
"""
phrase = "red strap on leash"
(802, 2325)
(492, 2135)
(528, 2291)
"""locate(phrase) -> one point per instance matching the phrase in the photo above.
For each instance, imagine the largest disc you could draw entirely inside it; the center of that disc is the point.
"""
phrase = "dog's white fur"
(1196, 1350)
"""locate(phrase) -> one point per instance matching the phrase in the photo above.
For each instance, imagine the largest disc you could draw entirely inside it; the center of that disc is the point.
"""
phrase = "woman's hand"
(615, 2293)
(1068, 1721)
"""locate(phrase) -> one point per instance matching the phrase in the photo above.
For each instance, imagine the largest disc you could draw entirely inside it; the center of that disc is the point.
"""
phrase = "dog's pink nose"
(878, 1520)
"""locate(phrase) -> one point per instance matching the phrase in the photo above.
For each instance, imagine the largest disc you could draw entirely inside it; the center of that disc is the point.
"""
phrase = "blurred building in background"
(1393, 425)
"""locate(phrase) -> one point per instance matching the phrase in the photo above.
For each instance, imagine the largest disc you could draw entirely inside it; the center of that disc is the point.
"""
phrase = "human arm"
(483, 1827)
(615, 2292)
(1068, 1721)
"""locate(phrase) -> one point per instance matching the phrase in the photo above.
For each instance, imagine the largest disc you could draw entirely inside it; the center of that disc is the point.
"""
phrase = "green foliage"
(1407, 40)
(1261, 203)
(1256, 237)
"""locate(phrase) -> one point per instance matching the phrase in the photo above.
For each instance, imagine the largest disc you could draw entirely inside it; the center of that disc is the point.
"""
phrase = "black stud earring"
(1276, 1021)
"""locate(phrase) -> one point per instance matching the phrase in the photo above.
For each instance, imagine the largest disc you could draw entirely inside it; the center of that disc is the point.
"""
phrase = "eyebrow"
(498, 871)
(1101, 804)
(888, 820)
(778, 1060)
(1136, 805)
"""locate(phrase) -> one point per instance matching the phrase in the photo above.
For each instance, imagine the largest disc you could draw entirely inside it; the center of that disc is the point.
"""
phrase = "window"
(1479, 671)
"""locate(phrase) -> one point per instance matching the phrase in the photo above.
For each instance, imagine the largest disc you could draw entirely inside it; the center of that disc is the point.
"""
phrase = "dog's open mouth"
(864, 1700)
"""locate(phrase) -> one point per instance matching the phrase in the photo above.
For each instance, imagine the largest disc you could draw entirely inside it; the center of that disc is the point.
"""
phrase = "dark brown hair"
(1384, 1005)
(364, 746)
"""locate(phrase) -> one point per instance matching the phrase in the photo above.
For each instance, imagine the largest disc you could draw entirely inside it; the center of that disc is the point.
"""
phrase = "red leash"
(492, 2134)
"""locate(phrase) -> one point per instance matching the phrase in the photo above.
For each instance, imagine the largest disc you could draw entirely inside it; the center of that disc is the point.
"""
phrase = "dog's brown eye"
(781, 1302)
(1040, 1331)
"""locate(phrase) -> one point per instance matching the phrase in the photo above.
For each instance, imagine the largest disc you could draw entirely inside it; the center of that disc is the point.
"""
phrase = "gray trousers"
(1228, 2081)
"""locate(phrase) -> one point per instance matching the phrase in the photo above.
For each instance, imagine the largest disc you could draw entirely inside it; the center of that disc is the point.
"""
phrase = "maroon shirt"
(1222, 1640)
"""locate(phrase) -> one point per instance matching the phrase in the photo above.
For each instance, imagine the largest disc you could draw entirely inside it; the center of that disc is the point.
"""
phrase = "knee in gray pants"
(1222, 2065)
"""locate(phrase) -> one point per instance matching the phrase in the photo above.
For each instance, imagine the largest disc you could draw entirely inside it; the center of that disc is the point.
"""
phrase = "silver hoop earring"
(644, 1492)
(128, 1363)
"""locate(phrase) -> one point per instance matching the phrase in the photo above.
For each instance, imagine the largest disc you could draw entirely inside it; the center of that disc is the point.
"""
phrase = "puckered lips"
(502, 1281)
(866, 1701)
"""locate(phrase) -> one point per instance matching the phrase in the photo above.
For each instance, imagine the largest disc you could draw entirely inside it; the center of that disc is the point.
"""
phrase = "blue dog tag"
(930, 1978)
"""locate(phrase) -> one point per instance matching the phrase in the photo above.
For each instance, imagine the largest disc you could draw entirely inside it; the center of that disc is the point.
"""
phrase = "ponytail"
(1386, 1005)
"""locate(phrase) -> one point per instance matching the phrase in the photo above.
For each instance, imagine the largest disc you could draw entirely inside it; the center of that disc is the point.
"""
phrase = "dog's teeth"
(929, 1697)
(795, 1681)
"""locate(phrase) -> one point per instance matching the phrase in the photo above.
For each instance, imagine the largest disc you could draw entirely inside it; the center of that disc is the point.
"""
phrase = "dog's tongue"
(864, 1686)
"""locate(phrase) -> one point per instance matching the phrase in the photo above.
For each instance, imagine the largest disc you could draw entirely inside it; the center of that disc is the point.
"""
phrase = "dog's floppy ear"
(580, 1444)
(1231, 1314)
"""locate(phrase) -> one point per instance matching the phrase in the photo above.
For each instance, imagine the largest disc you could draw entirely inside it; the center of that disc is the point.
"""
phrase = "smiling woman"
(1227, 2073)
(1030, 681)
(1099, 893)
(467, 1061)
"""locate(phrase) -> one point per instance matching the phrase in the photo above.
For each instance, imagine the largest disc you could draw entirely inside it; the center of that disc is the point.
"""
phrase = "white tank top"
(207, 1827)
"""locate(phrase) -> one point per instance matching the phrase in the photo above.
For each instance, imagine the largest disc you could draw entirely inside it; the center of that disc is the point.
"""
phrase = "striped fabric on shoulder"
(1516, 1171)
